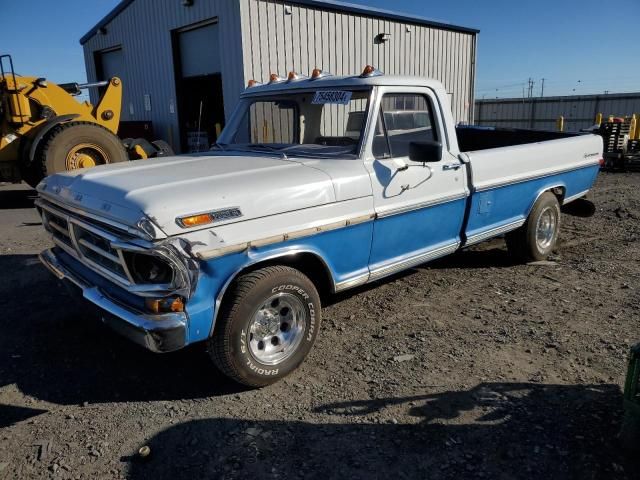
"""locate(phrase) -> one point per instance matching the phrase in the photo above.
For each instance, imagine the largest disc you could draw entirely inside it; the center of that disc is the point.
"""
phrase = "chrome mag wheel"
(546, 228)
(277, 328)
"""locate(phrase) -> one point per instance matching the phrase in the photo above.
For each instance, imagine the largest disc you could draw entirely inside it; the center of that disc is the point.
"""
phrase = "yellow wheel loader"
(44, 130)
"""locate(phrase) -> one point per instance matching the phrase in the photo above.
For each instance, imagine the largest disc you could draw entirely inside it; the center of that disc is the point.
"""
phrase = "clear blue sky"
(584, 46)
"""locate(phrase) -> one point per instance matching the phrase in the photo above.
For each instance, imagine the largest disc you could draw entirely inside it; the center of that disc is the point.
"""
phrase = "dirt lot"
(470, 367)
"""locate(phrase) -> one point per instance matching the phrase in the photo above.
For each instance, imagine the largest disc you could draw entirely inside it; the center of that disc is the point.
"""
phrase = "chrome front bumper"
(158, 333)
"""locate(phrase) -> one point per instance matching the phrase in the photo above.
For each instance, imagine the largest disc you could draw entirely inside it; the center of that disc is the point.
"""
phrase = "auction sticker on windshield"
(339, 97)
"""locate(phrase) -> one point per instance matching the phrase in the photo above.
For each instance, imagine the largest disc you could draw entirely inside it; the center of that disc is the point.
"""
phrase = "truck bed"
(473, 138)
(509, 168)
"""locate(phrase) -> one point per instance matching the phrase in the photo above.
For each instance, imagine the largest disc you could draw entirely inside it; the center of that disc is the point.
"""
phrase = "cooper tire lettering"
(232, 348)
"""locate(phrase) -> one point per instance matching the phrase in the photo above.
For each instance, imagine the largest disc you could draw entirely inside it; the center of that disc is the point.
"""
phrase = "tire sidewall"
(547, 200)
(67, 136)
(240, 355)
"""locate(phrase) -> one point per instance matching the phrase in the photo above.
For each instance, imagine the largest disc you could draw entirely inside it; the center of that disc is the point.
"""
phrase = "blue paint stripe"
(345, 251)
(500, 206)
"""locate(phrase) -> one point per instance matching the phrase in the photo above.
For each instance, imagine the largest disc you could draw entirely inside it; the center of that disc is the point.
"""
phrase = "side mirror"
(425, 151)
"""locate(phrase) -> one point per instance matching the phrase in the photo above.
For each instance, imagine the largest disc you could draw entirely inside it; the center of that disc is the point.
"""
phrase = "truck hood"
(163, 189)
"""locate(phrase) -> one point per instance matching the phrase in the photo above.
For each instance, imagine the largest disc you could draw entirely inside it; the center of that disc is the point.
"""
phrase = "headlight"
(149, 269)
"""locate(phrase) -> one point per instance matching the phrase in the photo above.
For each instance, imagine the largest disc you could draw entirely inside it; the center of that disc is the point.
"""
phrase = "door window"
(403, 118)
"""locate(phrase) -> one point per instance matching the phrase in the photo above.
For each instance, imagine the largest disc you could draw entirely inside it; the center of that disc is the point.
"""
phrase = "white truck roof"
(343, 82)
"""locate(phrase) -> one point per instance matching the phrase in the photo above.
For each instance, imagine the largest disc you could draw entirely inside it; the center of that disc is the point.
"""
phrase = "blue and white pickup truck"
(317, 185)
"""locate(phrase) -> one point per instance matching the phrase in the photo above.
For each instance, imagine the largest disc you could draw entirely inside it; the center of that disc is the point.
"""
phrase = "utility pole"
(542, 90)
(531, 84)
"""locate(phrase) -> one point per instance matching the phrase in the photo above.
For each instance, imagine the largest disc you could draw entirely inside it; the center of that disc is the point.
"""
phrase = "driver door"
(419, 205)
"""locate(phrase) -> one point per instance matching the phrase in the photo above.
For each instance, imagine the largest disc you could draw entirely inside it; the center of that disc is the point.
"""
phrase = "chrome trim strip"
(222, 251)
(575, 197)
(158, 333)
(532, 177)
(382, 213)
(352, 282)
(390, 269)
(494, 232)
(262, 242)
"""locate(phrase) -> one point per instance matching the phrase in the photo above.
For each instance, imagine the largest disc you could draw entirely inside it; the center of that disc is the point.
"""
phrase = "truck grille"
(86, 242)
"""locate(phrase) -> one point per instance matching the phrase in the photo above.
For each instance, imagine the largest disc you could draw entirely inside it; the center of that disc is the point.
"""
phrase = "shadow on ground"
(14, 199)
(55, 349)
(493, 431)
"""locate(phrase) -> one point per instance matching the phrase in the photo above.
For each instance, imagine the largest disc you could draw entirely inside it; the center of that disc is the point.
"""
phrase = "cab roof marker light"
(370, 71)
(317, 74)
(275, 78)
(293, 77)
(253, 83)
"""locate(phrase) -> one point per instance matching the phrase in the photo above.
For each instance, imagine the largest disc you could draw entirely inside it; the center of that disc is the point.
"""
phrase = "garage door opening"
(198, 85)
(109, 63)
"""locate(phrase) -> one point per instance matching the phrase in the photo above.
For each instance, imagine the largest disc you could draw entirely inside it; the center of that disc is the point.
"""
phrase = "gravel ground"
(470, 367)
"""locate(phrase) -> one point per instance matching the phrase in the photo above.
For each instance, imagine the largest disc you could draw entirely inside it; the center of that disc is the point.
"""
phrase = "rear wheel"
(537, 238)
(74, 145)
(267, 326)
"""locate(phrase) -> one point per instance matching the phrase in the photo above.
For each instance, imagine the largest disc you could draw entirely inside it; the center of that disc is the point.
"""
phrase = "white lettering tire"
(267, 325)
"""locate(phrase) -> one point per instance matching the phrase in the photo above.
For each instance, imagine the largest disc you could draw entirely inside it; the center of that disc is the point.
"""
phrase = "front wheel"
(266, 328)
(537, 238)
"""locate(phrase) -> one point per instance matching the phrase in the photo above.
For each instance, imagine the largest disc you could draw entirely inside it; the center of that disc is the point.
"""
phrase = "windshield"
(323, 122)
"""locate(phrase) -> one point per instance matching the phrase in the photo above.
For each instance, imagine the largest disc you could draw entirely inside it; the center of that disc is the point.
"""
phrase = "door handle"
(451, 166)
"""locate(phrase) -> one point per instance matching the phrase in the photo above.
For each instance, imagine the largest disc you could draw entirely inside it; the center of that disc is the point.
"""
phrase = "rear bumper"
(157, 333)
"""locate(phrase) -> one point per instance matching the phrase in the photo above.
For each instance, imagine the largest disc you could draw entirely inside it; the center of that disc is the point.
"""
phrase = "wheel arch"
(559, 189)
(309, 262)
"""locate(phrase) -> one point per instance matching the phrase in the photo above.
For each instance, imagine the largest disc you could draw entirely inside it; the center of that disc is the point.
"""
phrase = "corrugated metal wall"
(144, 31)
(579, 111)
(343, 43)
(259, 37)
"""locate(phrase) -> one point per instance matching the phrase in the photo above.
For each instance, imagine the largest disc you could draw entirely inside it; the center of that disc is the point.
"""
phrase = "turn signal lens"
(177, 305)
(164, 305)
(195, 220)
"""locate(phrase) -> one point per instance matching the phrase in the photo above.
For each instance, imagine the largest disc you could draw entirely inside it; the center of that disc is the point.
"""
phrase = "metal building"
(579, 111)
(184, 63)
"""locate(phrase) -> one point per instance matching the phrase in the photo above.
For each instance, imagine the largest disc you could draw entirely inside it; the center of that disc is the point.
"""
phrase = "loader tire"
(537, 238)
(74, 145)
